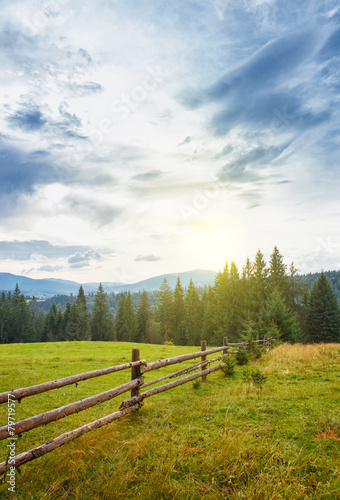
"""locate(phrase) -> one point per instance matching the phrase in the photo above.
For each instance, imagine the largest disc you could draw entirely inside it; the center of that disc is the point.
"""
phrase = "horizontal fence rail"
(18, 394)
(138, 369)
(64, 411)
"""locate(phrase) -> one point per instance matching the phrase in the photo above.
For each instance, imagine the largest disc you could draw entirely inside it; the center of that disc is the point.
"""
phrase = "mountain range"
(50, 286)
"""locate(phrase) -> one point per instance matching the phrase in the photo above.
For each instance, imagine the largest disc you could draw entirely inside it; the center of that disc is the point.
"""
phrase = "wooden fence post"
(203, 348)
(135, 371)
(225, 343)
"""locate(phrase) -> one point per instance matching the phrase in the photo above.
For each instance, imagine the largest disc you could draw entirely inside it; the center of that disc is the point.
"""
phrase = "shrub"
(242, 357)
(254, 375)
(229, 366)
(196, 383)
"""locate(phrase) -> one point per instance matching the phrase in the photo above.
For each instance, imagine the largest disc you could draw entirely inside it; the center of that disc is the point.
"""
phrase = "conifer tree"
(132, 319)
(102, 324)
(126, 321)
(323, 313)
(164, 307)
(193, 315)
(37, 318)
(260, 280)
(143, 318)
(50, 328)
(5, 304)
(277, 274)
(276, 313)
(81, 317)
(221, 289)
(178, 315)
(121, 320)
(209, 328)
(21, 328)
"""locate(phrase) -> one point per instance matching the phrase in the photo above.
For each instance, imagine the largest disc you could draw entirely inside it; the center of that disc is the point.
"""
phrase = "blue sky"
(141, 137)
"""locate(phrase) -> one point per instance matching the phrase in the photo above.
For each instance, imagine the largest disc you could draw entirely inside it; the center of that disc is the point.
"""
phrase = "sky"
(144, 137)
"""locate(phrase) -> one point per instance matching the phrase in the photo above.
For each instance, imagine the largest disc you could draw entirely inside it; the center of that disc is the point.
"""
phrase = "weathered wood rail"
(138, 369)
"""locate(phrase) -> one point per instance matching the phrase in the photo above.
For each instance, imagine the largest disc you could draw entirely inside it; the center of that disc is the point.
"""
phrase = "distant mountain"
(200, 277)
(52, 286)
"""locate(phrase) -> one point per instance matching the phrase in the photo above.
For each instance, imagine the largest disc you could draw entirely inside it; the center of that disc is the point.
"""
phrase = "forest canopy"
(260, 299)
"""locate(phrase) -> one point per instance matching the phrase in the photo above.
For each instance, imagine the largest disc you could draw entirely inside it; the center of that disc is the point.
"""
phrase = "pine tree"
(323, 313)
(193, 315)
(102, 324)
(65, 328)
(235, 305)
(132, 319)
(52, 327)
(276, 313)
(228, 306)
(38, 319)
(164, 307)
(221, 289)
(209, 328)
(121, 319)
(277, 273)
(178, 315)
(126, 320)
(4, 317)
(81, 296)
(260, 281)
(143, 318)
(82, 323)
(21, 326)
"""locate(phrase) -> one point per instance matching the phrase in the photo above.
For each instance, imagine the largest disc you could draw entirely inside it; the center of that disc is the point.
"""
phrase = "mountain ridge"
(48, 287)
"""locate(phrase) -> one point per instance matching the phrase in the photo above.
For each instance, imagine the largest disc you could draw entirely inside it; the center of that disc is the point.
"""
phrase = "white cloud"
(99, 152)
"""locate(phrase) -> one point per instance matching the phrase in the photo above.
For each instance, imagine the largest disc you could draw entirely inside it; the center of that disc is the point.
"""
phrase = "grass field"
(228, 438)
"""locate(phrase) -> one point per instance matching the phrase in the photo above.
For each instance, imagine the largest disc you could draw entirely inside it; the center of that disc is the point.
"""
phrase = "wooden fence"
(138, 369)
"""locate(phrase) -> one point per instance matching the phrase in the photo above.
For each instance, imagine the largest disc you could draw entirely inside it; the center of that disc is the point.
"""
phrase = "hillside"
(216, 441)
(50, 287)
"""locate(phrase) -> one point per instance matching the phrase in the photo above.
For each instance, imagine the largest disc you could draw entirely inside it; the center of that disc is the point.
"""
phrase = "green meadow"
(274, 436)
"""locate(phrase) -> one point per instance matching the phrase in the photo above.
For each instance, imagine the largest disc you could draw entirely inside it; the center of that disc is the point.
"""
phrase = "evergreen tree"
(323, 313)
(132, 320)
(81, 299)
(228, 306)
(65, 328)
(126, 320)
(277, 274)
(52, 326)
(21, 326)
(276, 313)
(102, 324)
(246, 289)
(82, 322)
(259, 282)
(178, 315)
(164, 307)
(209, 328)
(143, 318)
(121, 318)
(235, 304)
(221, 289)
(5, 304)
(193, 315)
(38, 319)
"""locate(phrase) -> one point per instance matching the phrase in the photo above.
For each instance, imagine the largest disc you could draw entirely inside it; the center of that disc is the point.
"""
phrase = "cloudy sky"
(141, 137)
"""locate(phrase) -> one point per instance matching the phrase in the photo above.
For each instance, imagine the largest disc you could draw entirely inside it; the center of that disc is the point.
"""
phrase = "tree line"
(261, 299)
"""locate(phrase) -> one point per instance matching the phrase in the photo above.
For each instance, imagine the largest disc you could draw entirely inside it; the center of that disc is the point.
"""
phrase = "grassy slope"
(226, 439)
